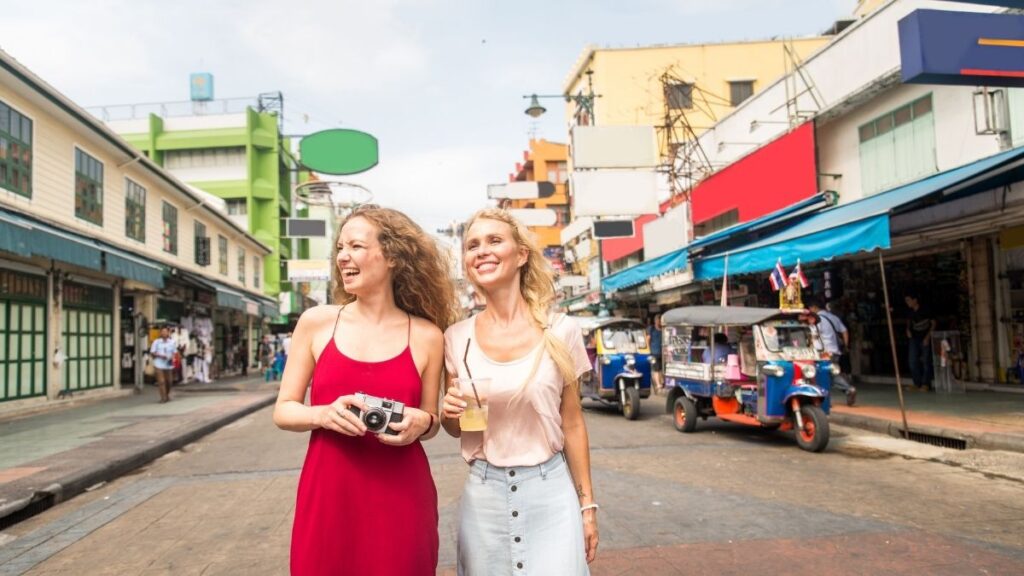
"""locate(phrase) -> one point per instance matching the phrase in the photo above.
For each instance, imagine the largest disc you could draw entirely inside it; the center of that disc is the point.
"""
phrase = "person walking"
(655, 347)
(835, 339)
(366, 502)
(163, 350)
(265, 351)
(528, 505)
(920, 325)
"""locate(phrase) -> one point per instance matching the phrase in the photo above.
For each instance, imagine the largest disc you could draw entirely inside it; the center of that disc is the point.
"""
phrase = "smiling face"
(491, 254)
(362, 265)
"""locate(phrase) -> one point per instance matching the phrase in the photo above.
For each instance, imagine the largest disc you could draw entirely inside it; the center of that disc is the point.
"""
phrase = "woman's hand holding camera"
(415, 423)
(453, 405)
(337, 417)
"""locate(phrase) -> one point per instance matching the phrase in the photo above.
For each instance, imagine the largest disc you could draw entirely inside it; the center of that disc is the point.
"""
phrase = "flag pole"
(725, 282)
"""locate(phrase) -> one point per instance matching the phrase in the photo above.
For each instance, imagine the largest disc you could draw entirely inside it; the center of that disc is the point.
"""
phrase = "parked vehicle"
(752, 366)
(620, 353)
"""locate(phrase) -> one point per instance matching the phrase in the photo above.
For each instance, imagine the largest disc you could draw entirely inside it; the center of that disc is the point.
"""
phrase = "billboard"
(666, 234)
(962, 48)
(520, 190)
(531, 217)
(614, 147)
(305, 228)
(201, 86)
(615, 192)
(308, 270)
(339, 151)
(613, 229)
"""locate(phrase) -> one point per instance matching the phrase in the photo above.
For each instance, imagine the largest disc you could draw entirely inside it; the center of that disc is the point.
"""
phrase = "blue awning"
(860, 226)
(791, 211)
(645, 270)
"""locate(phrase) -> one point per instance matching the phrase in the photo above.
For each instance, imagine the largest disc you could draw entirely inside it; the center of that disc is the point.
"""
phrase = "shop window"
(679, 96)
(739, 91)
(15, 151)
(134, 211)
(222, 254)
(88, 188)
(202, 244)
(898, 147)
(170, 231)
(241, 265)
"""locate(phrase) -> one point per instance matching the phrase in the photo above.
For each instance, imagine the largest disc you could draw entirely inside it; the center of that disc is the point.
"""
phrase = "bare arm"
(452, 408)
(577, 454)
(291, 412)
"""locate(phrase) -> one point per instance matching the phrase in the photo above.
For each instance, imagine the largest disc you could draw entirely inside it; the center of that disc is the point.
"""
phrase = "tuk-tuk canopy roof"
(721, 315)
(591, 323)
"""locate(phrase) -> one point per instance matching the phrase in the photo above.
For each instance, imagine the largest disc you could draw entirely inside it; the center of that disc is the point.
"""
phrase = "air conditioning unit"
(991, 111)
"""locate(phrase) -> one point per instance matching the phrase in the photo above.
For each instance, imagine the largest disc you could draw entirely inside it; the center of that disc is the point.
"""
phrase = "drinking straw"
(470, 374)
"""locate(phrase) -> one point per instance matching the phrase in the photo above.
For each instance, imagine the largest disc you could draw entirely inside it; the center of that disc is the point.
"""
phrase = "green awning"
(131, 267)
(227, 297)
(28, 237)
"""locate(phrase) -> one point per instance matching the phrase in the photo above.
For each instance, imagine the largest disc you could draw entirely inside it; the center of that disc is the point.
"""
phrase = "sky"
(440, 83)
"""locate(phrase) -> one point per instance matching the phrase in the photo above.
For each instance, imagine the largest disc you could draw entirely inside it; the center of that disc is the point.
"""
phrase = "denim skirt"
(522, 520)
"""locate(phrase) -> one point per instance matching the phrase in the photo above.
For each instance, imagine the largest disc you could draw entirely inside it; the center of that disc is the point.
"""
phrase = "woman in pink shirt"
(527, 506)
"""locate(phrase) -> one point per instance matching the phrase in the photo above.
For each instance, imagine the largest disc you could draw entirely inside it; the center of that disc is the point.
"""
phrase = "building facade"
(546, 162)
(99, 245)
(234, 151)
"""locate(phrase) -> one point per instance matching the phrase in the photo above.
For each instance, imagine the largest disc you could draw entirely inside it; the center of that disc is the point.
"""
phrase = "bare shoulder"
(314, 318)
(426, 331)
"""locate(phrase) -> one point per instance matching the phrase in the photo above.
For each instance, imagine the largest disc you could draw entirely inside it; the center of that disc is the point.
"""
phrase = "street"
(724, 500)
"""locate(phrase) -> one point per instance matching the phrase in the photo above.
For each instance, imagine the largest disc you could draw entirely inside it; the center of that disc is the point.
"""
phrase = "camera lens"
(374, 419)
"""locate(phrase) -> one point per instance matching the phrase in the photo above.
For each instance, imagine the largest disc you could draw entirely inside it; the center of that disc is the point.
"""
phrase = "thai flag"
(778, 278)
(799, 273)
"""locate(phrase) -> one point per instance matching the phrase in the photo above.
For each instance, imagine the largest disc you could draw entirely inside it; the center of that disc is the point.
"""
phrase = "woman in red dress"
(366, 501)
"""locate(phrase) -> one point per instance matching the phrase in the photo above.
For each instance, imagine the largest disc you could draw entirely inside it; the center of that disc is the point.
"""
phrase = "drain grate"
(940, 441)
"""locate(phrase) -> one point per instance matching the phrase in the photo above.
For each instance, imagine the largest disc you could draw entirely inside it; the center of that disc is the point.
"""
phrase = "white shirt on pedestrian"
(830, 327)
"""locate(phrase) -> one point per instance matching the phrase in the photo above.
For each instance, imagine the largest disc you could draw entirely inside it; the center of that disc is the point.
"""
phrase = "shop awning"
(270, 309)
(645, 270)
(30, 237)
(860, 226)
(228, 297)
(126, 265)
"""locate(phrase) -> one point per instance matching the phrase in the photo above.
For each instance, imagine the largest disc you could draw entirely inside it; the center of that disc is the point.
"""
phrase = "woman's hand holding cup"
(453, 405)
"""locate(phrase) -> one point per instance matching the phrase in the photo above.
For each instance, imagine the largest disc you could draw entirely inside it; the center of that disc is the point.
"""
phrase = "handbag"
(148, 369)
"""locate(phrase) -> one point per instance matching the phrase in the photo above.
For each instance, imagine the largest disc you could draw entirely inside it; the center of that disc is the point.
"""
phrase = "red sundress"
(364, 507)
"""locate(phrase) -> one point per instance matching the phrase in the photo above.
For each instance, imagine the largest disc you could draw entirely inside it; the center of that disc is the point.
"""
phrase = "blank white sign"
(614, 147)
(615, 192)
(535, 216)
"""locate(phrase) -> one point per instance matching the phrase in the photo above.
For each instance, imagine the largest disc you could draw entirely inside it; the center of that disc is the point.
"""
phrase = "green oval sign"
(339, 152)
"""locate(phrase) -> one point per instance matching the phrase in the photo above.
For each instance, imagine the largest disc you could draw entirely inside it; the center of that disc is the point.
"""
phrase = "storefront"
(87, 336)
(23, 332)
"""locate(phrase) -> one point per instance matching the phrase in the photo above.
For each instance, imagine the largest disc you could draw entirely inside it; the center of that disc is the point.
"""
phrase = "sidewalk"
(50, 457)
(988, 420)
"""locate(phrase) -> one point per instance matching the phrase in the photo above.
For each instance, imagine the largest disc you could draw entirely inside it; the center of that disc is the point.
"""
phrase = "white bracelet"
(588, 507)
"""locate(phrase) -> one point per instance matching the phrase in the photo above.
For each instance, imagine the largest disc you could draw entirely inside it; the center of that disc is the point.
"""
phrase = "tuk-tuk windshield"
(787, 336)
(624, 338)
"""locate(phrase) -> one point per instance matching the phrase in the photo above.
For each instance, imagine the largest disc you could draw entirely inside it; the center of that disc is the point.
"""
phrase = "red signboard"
(619, 247)
(776, 175)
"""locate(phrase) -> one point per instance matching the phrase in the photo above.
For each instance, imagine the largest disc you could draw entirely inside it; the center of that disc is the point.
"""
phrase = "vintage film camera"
(379, 413)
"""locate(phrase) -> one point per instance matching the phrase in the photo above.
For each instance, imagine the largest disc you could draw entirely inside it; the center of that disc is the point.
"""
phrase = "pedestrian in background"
(835, 339)
(286, 345)
(367, 503)
(655, 345)
(265, 351)
(162, 351)
(920, 325)
(527, 506)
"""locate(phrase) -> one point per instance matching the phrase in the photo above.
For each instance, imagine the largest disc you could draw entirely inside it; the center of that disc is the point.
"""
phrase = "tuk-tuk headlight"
(630, 360)
(606, 360)
(809, 372)
(836, 370)
(773, 370)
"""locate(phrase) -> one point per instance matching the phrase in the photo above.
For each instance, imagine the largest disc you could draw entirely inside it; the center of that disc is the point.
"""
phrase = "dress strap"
(336, 320)
(408, 335)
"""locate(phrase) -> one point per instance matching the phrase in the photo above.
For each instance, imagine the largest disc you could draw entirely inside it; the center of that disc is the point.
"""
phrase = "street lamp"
(583, 101)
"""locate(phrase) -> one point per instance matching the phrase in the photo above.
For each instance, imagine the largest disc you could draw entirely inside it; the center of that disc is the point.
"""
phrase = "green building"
(234, 150)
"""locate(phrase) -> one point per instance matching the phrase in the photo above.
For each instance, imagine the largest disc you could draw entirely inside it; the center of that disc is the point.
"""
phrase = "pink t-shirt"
(528, 431)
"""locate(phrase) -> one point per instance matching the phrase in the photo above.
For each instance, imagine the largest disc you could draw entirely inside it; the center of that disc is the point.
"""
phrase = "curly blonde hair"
(537, 285)
(421, 276)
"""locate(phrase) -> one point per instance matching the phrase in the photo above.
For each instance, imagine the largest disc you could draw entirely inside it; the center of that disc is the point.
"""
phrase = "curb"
(984, 440)
(77, 482)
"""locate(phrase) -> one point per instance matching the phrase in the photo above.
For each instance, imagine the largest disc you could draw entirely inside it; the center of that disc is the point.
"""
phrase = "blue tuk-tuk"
(619, 351)
(754, 366)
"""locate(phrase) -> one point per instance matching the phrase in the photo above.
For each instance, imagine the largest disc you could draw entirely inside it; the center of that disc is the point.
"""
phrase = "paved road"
(724, 500)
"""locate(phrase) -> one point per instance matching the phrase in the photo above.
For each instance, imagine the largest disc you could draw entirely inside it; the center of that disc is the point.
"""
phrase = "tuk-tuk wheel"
(814, 435)
(685, 414)
(630, 403)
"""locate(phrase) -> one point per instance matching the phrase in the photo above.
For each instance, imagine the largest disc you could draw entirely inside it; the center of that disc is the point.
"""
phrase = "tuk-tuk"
(620, 353)
(754, 366)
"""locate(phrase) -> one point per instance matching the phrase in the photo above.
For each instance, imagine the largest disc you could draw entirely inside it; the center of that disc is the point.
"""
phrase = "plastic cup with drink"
(475, 392)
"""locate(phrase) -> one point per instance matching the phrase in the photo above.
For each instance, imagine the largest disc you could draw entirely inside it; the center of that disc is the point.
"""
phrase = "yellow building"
(682, 90)
(546, 162)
